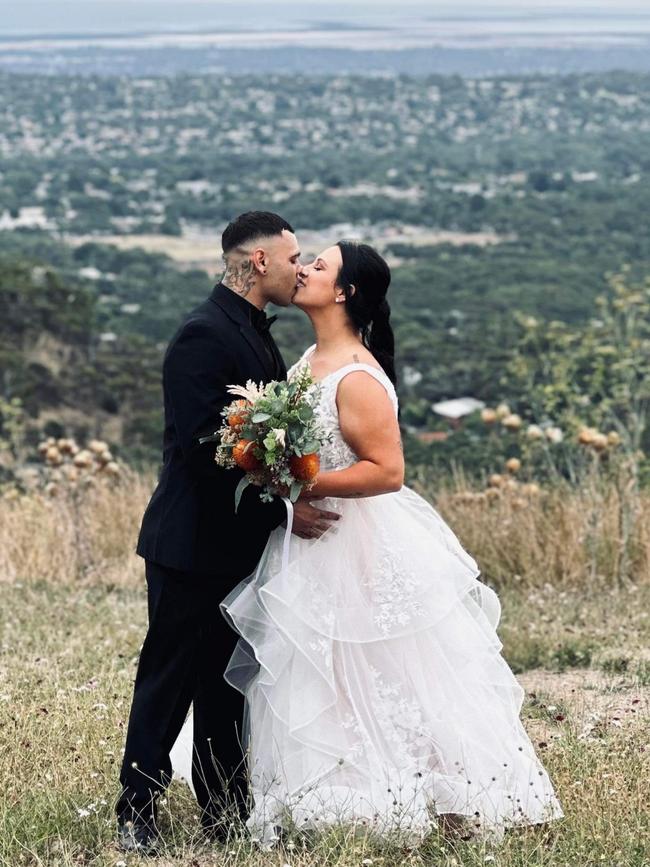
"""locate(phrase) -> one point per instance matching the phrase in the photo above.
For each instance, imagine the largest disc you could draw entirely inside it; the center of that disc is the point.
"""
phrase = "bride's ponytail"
(365, 278)
(381, 340)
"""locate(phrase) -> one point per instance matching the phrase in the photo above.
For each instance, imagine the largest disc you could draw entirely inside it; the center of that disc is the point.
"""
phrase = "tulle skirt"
(376, 690)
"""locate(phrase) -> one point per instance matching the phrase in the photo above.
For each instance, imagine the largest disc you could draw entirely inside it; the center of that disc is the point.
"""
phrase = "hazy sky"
(128, 16)
(430, 5)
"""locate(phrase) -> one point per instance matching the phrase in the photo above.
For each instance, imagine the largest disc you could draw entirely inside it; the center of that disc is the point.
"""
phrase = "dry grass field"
(73, 616)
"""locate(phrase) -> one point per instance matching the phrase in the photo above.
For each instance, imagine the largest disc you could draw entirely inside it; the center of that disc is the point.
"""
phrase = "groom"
(195, 548)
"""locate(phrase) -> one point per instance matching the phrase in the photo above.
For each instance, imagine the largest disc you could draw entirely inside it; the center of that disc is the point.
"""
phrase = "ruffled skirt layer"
(376, 690)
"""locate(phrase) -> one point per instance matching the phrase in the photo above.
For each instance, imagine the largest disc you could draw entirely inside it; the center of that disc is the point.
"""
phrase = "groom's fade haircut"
(252, 226)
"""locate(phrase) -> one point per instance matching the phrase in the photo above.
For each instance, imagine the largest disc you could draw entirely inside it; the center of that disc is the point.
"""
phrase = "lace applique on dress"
(393, 591)
(337, 454)
(401, 720)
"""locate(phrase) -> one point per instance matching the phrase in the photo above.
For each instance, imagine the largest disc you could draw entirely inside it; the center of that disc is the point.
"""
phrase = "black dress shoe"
(137, 837)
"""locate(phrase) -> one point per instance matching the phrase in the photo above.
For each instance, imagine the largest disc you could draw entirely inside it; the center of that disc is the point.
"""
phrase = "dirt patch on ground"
(590, 699)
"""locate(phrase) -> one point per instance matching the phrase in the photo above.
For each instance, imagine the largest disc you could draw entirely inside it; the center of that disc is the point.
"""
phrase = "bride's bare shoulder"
(361, 355)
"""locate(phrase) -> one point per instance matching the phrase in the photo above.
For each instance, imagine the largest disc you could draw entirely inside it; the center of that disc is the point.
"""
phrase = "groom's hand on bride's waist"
(310, 522)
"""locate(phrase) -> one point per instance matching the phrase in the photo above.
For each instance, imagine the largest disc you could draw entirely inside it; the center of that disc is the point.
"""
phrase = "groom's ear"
(260, 260)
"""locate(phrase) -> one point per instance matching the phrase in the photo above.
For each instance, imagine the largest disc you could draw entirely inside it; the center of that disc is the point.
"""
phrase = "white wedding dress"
(376, 691)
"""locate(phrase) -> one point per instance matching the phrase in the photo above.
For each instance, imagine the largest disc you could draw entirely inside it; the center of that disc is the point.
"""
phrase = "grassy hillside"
(73, 616)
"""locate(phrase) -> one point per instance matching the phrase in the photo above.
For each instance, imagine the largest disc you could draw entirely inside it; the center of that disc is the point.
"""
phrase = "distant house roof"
(457, 407)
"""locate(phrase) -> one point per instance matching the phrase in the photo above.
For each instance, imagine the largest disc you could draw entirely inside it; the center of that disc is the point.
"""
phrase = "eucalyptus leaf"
(260, 417)
(239, 490)
(294, 493)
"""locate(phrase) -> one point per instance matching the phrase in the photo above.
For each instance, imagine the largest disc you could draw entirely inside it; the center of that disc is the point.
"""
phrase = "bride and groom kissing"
(366, 667)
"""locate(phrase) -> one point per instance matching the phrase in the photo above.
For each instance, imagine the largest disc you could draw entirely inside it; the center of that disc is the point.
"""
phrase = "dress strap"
(375, 372)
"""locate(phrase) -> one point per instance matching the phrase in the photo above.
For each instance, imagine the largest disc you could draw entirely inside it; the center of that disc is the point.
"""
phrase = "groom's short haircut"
(252, 226)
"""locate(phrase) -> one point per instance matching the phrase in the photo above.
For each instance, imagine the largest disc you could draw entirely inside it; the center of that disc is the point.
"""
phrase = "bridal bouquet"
(272, 434)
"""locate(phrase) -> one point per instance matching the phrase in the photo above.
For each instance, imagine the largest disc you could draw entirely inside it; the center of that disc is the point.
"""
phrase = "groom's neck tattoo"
(239, 277)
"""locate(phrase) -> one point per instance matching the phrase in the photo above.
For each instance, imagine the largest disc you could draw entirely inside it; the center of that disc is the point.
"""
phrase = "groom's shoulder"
(205, 319)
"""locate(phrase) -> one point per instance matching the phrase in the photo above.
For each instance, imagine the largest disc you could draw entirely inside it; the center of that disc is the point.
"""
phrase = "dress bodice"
(337, 454)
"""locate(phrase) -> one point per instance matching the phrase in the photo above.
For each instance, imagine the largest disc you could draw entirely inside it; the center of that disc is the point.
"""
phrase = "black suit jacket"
(190, 523)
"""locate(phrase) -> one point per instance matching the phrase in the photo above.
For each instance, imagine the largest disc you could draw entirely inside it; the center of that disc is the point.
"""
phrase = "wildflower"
(53, 456)
(502, 410)
(513, 465)
(554, 435)
(488, 415)
(586, 436)
(83, 459)
(613, 438)
(511, 421)
(599, 442)
(534, 432)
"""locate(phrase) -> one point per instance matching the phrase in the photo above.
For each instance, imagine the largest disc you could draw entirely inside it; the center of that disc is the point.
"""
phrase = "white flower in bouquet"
(250, 392)
(280, 435)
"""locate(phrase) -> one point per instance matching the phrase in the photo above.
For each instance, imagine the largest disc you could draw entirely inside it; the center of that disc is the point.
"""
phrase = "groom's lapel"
(223, 297)
(255, 342)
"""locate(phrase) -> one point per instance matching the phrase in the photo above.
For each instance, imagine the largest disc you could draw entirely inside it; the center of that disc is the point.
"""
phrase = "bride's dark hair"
(366, 304)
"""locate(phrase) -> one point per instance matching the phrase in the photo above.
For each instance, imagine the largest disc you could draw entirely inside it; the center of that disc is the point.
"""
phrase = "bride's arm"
(369, 426)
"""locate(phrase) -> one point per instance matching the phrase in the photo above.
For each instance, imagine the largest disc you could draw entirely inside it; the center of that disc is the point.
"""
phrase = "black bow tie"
(262, 322)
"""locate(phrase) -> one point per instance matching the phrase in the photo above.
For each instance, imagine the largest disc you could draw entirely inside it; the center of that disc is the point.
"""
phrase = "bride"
(376, 691)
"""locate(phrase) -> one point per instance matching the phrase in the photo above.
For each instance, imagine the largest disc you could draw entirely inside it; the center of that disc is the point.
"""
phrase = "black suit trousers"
(184, 655)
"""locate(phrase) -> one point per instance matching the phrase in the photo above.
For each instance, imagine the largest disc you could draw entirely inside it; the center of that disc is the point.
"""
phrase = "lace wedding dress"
(376, 691)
